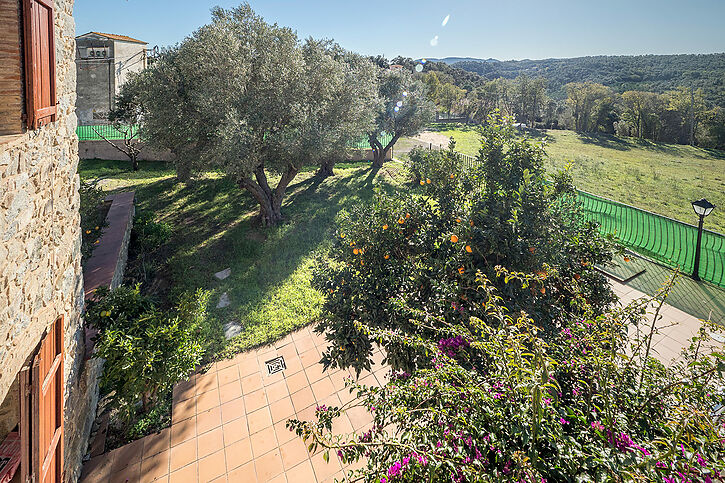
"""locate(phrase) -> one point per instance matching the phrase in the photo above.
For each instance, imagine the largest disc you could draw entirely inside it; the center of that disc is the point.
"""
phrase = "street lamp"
(702, 209)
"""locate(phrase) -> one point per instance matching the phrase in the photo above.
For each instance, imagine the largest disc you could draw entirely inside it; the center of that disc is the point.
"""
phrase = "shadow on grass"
(214, 229)
(90, 169)
(605, 141)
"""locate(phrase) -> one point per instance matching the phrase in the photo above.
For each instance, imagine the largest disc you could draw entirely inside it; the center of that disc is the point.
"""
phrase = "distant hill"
(656, 73)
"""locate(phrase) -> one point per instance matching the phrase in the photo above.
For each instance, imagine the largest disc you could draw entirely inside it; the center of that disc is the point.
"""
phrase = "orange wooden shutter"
(39, 38)
(41, 408)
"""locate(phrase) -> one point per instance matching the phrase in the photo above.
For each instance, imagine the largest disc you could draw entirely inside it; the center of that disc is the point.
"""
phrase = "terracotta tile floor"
(228, 422)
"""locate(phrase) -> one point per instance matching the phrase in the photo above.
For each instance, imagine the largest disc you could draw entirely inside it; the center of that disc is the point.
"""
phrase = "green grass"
(662, 178)
(214, 229)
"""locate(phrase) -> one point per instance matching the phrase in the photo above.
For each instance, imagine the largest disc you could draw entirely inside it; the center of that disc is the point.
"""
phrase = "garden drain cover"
(276, 365)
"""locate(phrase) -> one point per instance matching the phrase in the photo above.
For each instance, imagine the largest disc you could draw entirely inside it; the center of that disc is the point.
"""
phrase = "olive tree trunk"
(326, 169)
(269, 199)
(380, 151)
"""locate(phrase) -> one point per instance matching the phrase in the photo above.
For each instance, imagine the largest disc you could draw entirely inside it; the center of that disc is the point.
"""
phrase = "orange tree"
(422, 249)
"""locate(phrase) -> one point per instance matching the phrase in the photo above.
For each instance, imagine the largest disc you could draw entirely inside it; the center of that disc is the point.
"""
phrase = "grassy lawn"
(213, 229)
(662, 178)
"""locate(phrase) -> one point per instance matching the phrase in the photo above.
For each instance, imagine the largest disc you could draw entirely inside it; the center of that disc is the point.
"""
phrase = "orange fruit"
(356, 251)
(427, 180)
(626, 259)
(454, 239)
(458, 220)
(543, 290)
(577, 276)
(342, 235)
(385, 227)
(453, 176)
(461, 270)
(401, 220)
(407, 215)
(422, 183)
(532, 249)
(471, 222)
(386, 256)
(469, 249)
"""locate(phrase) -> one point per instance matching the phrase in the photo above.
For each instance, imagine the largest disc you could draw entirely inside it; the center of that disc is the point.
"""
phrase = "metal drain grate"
(276, 365)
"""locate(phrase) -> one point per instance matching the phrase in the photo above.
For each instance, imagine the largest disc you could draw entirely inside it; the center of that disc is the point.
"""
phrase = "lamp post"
(702, 209)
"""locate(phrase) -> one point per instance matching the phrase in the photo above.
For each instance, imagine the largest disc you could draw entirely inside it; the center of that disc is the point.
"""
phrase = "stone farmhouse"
(103, 64)
(48, 389)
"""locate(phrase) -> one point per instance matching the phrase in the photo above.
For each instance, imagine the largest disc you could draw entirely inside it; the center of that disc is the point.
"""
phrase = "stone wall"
(40, 271)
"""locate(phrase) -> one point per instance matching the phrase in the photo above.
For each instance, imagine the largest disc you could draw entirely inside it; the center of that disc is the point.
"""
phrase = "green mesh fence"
(88, 133)
(363, 142)
(660, 238)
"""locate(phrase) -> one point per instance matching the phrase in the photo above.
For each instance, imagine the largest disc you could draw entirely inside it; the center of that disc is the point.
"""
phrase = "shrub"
(146, 351)
(500, 403)
(93, 217)
(422, 249)
(148, 235)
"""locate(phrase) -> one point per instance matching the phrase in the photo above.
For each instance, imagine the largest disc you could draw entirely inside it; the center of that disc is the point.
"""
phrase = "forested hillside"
(655, 73)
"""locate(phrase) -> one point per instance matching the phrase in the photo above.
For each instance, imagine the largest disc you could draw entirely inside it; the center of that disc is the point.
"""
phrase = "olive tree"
(404, 110)
(248, 99)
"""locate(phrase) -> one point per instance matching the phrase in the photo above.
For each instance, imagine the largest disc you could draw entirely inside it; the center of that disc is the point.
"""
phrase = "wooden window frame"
(39, 115)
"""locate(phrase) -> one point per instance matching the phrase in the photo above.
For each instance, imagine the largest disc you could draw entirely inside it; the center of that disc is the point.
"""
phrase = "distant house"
(103, 64)
(396, 67)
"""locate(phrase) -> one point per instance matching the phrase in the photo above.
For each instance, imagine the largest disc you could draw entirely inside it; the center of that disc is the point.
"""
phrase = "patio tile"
(128, 455)
(322, 469)
(229, 392)
(338, 378)
(208, 420)
(301, 472)
(155, 467)
(277, 391)
(235, 430)
(183, 431)
(245, 473)
(281, 478)
(309, 358)
(206, 382)
(248, 367)
(293, 453)
(271, 380)
(182, 455)
(97, 469)
(210, 442)
(282, 409)
(359, 417)
(283, 434)
(342, 425)
(252, 383)
(295, 382)
(302, 398)
(301, 334)
(315, 373)
(227, 375)
(263, 442)
(268, 465)
(212, 467)
(224, 363)
(288, 351)
(304, 344)
(346, 396)
(185, 389)
(259, 419)
(207, 400)
(129, 474)
(232, 410)
(187, 474)
(238, 453)
(294, 365)
(255, 400)
(184, 410)
(307, 414)
(323, 388)
(156, 443)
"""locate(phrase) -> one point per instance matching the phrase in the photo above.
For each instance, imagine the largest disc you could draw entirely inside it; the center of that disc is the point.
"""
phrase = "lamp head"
(702, 207)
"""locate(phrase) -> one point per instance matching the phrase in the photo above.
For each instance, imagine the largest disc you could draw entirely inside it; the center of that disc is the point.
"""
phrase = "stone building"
(103, 64)
(48, 391)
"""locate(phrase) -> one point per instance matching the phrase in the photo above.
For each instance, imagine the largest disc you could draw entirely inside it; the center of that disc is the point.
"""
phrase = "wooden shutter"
(41, 409)
(39, 38)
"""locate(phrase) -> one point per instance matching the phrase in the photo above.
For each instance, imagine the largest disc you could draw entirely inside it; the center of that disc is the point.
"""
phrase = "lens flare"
(434, 41)
(445, 20)
(419, 68)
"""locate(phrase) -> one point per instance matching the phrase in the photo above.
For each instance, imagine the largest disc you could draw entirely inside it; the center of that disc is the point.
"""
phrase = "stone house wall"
(40, 239)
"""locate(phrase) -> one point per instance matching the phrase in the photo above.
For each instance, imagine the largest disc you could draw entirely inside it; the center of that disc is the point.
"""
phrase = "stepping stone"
(232, 329)
(223, 301)
(223, 274)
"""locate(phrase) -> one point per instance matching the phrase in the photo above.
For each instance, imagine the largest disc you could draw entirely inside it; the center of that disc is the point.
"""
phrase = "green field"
(214, 229)
(662, 178)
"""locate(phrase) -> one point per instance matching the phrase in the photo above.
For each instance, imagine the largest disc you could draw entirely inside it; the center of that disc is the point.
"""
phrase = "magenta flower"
(563, 421)
(597, 425)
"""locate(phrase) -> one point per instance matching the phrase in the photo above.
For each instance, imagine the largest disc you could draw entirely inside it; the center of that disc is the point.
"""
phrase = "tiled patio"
(228, 422)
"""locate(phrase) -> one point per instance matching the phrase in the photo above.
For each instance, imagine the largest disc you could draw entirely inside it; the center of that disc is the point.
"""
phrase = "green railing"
(91, 133)
(363, 142)
(658, 237)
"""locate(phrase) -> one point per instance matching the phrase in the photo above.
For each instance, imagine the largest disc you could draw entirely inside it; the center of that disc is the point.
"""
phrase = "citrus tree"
(249, 99)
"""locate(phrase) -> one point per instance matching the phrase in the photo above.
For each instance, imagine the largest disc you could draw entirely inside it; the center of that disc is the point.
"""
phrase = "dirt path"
(432, 137)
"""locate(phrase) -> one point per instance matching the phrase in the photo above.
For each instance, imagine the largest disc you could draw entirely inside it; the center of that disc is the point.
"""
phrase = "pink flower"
(598, 426)
(563, 421)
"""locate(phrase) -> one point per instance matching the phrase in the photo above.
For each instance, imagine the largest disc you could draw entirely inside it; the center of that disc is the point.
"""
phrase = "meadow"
(658, 177)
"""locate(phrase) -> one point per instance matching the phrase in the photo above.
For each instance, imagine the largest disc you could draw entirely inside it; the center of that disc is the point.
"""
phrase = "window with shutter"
(41, 411)
(39, 37)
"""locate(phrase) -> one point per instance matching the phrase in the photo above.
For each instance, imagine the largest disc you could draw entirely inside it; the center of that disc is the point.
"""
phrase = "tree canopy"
(249, 99)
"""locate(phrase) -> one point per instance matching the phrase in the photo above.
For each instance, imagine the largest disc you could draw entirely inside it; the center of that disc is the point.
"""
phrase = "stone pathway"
(228, 422)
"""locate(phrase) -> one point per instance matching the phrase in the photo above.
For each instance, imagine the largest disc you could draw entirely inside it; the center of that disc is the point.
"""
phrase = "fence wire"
(91, 133)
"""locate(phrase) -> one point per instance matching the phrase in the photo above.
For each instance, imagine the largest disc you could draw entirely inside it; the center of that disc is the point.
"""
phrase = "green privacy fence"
(363, 142)
(88, 133)
(660, 238)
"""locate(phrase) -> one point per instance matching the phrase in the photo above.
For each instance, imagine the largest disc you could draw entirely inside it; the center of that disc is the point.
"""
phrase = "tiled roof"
(123, 38)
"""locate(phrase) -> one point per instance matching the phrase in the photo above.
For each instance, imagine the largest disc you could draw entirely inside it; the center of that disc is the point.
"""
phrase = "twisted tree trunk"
(269, 199)
(380, 151)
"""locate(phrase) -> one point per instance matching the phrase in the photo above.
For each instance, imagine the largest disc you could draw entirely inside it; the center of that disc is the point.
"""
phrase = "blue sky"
(500, 29)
